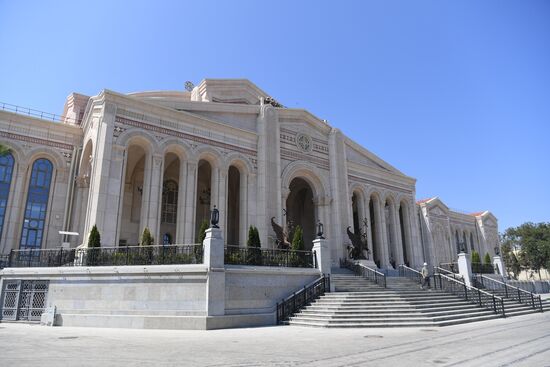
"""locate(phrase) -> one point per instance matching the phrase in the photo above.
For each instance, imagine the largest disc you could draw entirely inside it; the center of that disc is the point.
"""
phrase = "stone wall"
(258, 289)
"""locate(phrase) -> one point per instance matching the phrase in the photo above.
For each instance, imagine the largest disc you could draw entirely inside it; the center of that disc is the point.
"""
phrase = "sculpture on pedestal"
(359, 249)
(283, 235)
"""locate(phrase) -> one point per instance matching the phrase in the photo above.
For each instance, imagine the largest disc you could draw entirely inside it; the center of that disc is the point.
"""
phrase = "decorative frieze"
(182, 135)
(379, 184)
(38, 141)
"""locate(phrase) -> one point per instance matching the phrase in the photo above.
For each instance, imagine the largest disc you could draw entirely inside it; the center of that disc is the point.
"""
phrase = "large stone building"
(162, 160)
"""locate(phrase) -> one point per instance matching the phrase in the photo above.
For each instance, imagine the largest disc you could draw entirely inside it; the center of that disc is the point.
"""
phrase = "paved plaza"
(518, 341)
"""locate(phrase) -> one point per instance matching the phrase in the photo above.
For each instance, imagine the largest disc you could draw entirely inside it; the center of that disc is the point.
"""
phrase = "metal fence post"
(10, 260)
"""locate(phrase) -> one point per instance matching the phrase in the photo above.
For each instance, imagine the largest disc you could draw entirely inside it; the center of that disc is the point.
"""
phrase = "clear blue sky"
(453, 93)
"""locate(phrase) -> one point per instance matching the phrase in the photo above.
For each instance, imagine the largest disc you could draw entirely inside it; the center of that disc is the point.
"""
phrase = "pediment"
(437, 207)
(357, 154)
(294, 128)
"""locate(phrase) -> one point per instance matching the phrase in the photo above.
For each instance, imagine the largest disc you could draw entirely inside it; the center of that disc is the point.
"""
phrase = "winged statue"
(282, 235)
(356, 250)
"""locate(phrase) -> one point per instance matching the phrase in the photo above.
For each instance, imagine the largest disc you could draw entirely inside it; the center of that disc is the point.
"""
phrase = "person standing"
(424, 273)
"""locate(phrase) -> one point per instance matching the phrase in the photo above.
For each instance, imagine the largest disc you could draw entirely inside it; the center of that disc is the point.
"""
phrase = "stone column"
(499, 264)
(465, 268)
(155, 197)
(182, 185)
(190, 203)
(322, 258)
(382, 235)
(369, 233)
(221, 200)
(399, 258)
(214, 261)
(15, 207)
(243, 205)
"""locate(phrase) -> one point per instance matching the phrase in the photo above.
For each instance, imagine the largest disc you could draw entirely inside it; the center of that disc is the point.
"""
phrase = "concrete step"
(359, 302)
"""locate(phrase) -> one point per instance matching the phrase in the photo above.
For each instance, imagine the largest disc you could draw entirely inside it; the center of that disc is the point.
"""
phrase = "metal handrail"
(36, 113)
(365, 272)
(438, 269)
(482, 298)
(413, 274)
(513, 292)
(453, 267)
(301, 298)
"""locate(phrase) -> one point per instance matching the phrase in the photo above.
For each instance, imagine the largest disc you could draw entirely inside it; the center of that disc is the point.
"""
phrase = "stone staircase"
(358, 302)
(513, 307)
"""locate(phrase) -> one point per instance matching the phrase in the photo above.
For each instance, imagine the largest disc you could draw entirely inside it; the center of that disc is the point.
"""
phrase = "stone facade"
(162, 160)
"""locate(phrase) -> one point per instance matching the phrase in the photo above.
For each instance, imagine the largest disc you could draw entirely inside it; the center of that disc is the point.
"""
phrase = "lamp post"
(320, 228)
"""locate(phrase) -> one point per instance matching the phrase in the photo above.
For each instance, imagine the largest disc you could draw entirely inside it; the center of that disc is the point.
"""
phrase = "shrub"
(487, 259)
(253, 237)
(94, 239)
(475, 258)
(298, 239)
(146, 238)
(254, 253)
(202, 231)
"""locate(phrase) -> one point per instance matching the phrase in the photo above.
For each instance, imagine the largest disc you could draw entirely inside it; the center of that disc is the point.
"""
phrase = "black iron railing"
(36, 113)
(235, 255)
(365, 272)
(4, 261)
(475, 295)
(451, 267)
(482, 268)
(415, 275)
(301, 298)
(107, 256)
(508, 291)
(449, 273)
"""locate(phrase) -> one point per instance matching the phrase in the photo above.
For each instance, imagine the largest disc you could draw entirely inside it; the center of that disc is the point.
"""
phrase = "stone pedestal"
(499, 264)
(214, 261)
(465, 268)
(322, 257)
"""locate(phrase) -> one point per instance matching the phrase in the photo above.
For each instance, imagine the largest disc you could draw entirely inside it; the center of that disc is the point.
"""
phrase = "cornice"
(156, 111)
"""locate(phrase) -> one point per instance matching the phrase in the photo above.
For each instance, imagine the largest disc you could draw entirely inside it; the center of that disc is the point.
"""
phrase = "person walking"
(425, 276)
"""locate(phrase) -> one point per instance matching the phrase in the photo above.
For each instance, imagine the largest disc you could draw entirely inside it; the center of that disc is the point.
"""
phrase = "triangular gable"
(436, 206)
(357, 154)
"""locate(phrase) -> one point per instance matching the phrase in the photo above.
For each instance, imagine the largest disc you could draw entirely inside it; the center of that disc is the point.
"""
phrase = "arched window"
(169, 202)
(37, 204)
(6, 170)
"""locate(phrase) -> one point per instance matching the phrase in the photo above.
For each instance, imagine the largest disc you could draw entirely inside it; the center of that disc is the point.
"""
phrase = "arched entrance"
(133, 195)
(233, 205)
(170, 198)
(301, 210)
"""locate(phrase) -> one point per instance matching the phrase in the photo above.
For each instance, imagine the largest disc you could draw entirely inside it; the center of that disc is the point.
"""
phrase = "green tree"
(515, 266)
(476, 262)
(250, 240)
(533, 240)
(487, 259)
(202, 231)
(94, 239)
(257, 242)
(146, 238)
(298, 239)
(253, 242)
(509, 257)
